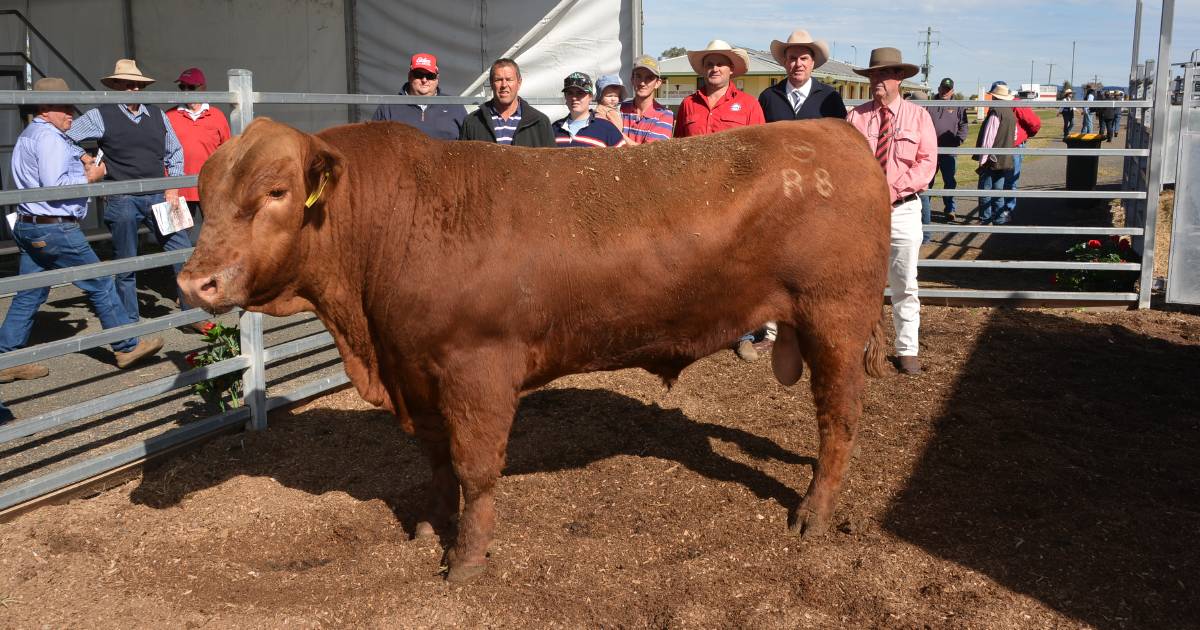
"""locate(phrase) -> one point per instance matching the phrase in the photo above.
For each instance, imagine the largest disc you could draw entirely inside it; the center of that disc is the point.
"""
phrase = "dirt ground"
(1043, 472)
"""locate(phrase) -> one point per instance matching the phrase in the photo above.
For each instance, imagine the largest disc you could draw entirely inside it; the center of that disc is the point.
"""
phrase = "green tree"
(1066, 86)
(673, 51)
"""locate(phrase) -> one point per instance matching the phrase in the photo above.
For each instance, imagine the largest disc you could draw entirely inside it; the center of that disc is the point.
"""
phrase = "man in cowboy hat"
(138, 143)
(719, 105)
(1068, 113)
(49, 236)
(644, 119)
(999, 131)
(902, 137)
(507, 118)
(801, 96)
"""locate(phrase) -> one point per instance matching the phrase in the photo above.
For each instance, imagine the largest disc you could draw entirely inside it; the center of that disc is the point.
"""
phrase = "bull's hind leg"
(443, 498)
(832, 345)
(479, 417)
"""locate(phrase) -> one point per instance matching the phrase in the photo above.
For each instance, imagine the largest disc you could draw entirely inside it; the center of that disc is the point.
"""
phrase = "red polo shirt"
(735, 109)
(200, 138)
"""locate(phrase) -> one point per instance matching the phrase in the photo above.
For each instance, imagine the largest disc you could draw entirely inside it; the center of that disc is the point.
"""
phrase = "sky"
(979, 42)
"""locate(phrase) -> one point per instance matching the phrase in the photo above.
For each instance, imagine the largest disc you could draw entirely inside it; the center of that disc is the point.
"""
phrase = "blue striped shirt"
(91, 125)
(505, 128)
(44, 157)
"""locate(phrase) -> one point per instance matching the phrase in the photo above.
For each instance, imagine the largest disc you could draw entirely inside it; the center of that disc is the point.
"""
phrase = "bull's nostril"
(209, 286)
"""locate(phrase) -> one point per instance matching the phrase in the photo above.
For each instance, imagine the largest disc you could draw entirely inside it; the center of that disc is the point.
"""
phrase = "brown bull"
(455, 276)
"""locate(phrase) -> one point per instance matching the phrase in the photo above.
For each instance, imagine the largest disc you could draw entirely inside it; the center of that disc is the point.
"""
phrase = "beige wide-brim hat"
(820, 50)
(739, 60)
(126, 70)
(882, 58)
(48, 84)
(1001, 93)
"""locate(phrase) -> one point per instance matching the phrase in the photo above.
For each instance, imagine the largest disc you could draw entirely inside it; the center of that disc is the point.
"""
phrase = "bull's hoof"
(424, 530)
(808, 524)
(462, 573)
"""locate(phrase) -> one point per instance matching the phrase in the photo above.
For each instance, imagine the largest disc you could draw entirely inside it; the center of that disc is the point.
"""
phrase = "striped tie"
(884, 145)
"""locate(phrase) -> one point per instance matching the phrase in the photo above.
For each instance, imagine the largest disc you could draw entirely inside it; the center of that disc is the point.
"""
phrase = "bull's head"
(263, 196)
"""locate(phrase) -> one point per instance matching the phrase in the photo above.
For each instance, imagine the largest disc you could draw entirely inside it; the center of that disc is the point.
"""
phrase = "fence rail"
(256, 356)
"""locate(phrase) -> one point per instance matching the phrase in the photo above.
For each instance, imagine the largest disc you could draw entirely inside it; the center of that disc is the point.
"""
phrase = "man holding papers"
(49, 236)
(138, 143)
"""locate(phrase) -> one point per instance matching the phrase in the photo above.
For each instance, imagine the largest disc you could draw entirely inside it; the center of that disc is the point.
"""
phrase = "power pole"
(1031, 63)
(1072, 64)
(1050, 73)
(928, 43)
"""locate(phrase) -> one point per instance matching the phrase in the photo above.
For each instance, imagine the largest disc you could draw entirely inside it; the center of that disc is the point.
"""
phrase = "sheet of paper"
(12, 221)
(172, 219)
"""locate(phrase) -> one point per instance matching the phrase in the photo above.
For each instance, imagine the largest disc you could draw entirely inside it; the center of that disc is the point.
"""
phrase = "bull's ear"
(325, 167)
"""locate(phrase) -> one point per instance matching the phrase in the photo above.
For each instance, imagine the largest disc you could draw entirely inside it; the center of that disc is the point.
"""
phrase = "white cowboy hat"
(820, 50)
(739, 60)
(1001, 93)
(126, 70)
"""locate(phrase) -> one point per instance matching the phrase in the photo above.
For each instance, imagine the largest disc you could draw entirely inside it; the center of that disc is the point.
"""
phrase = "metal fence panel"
(1183, 279)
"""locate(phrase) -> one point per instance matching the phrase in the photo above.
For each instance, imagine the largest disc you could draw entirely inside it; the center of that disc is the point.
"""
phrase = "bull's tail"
(875, 356)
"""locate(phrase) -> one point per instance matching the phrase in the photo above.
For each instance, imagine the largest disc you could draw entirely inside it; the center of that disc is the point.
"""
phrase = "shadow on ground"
(557, 429)
(1085, 494)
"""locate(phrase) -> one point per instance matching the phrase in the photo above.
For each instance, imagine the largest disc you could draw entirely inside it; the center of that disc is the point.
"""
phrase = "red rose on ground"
(190, 358)
(207, 326)
(1124, 245)
(1093, 244)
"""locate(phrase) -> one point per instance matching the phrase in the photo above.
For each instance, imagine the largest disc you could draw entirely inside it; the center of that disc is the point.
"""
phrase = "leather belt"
(905, 199)
(34, 218)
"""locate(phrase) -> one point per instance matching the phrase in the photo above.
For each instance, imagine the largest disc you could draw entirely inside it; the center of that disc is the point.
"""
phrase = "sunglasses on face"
(187, 88)
(127, 85)
(428, 76)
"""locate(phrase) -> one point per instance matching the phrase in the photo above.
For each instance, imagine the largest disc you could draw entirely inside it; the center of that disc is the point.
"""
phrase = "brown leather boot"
(908, 365)
(26, 372)
(145, 348)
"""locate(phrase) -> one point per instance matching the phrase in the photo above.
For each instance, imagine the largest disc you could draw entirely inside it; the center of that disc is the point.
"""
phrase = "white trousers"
(902, 276)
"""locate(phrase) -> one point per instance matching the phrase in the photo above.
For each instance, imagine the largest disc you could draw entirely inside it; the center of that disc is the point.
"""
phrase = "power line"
(928, 44)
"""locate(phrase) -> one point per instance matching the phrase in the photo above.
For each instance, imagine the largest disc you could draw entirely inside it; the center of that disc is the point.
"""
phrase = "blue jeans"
(1068, 123)
(1087, 123)
(57, 246)
(1010, 182)
(122, 215)
(991, 207)
(946, 165)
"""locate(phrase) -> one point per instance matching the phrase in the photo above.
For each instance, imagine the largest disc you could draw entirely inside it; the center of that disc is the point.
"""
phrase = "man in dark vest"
(800, 96)
(138, 143)
(999, 131)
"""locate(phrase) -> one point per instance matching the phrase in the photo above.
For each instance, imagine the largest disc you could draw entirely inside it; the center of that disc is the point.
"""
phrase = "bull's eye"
(278, 193)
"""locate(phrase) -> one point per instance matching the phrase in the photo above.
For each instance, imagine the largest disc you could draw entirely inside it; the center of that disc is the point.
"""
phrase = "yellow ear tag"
(308, 203)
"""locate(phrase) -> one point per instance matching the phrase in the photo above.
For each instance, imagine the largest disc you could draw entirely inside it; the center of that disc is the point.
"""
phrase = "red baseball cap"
(191, 76)
(424, 61)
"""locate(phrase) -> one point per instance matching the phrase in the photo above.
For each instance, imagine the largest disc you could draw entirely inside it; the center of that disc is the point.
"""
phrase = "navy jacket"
(443, 122)
(822, 102)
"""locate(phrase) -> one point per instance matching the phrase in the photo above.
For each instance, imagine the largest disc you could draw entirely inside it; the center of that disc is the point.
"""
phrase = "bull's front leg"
(479, 415)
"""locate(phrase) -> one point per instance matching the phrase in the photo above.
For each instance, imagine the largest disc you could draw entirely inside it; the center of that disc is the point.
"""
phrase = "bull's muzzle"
(205, 290)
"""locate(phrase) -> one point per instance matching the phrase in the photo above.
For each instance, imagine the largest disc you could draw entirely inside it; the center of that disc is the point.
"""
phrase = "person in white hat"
(138, 143)
(999, 131)
(800, 97)
(902, 137)
(719, 104)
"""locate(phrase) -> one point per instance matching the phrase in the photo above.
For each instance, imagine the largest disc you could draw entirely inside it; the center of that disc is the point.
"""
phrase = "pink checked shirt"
(913, 158)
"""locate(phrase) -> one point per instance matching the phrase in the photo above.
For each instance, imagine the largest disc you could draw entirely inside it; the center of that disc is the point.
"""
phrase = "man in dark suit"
(800, 96)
